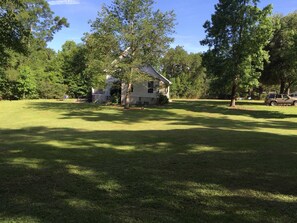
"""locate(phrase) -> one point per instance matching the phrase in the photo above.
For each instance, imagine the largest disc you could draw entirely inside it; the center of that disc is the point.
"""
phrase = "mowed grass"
(190, 161)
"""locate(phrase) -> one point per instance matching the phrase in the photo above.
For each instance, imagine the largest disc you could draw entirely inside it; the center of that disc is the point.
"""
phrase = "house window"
(150, 87)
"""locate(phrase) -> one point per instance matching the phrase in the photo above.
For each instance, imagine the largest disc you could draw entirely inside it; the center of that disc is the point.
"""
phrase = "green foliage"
(186, 73)
(236, 36)
(282, 69)
(26, 83)
(50, 89)
(137, 35)
(23, 21)
(162, 99)
(100, 49)
(25, 27)
(18, 83)
(73, 65)
(13, 33)
(7, 88)
(37, 75)
(49, 74)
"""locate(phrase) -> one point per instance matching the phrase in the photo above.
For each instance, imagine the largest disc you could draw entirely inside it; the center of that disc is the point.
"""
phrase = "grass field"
(190, 161)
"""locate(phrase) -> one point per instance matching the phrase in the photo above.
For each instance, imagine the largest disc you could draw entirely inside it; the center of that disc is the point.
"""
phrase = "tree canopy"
(25, 27)
(24, 20)
(186, 72)
(134, 34)
(130, 34)
(236, 36)
(282, 68)
(73, 65)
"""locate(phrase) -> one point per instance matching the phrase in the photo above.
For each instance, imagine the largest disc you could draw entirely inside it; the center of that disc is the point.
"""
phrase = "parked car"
(284, 99)
(294, 94)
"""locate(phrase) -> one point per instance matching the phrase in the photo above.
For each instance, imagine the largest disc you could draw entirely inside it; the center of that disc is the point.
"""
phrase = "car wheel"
(273, 103)
(295, 103)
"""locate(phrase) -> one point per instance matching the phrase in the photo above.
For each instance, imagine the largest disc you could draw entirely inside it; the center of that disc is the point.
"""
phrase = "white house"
(143, 93)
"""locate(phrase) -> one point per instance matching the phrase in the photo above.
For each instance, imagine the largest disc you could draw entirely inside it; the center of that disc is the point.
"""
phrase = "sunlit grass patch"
(26, 163)
(189, 161)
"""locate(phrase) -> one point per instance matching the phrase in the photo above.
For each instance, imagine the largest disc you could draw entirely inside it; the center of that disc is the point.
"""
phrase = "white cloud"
(64, 2)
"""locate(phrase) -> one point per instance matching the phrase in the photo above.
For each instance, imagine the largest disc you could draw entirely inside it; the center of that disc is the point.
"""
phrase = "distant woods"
(186, 72)
(29, 69)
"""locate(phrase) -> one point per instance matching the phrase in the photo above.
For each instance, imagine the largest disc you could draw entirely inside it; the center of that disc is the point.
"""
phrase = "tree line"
(250, 51)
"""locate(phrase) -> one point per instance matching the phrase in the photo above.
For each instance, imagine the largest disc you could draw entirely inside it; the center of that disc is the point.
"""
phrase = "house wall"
(164, 89)
(140, 93)
(103, 95)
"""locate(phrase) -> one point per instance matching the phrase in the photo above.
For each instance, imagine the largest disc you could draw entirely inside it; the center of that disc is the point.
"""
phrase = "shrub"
(162, 99)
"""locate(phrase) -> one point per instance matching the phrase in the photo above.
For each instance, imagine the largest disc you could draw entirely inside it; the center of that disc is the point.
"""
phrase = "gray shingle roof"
(148, 69)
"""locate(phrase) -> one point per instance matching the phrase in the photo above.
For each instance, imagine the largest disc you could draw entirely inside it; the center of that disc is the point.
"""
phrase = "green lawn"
(190, 161)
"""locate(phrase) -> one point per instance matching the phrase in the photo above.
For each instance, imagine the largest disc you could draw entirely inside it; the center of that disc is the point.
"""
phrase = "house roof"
(148, 69)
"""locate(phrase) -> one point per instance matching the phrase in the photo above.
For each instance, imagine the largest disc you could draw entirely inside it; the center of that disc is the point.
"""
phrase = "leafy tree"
(136, 34)
(12, 32)
(50, 78)
(7, 88)
(26, 83)
(36, 74)
(236, 36)
(175, 62)
(186, 73)
(73, 59)
(25, 27)
(101, 48)
(24, 20)
(282, 69)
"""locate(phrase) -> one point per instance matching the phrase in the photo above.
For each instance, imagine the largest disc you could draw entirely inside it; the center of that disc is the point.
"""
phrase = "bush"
(51, 90)
(162, 99)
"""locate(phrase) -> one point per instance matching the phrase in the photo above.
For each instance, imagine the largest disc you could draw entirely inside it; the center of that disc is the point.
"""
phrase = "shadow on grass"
(214, 122)
(210, 106)
(204, 175)
(97, 113)
(221, 107)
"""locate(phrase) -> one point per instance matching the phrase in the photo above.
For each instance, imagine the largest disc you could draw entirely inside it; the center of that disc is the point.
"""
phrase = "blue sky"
(190, 16)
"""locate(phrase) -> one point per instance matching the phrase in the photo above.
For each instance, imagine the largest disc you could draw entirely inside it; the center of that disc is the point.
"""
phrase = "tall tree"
(22, 20)
(36, 74)
(186, 73)
(25, 27)
(138, 34)
(73, 59)
(236, 37)
(282, 69)
(12, 32)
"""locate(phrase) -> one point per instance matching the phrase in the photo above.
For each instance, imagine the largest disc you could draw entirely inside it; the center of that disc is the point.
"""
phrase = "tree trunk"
(233, 94)
(287, 90)
(127, 96)
(282, 87)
